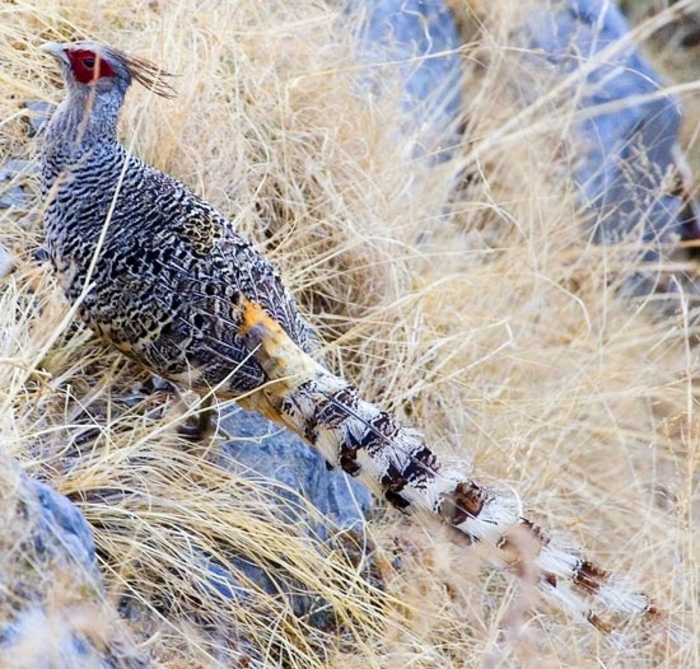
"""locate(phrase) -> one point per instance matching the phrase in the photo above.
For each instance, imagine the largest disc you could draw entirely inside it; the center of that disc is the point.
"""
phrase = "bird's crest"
(148, 74)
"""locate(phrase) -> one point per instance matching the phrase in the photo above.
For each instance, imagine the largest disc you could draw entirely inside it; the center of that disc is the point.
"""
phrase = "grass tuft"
(481, 313)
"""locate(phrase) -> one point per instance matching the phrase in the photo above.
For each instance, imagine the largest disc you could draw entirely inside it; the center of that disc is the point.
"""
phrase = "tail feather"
(394, 463)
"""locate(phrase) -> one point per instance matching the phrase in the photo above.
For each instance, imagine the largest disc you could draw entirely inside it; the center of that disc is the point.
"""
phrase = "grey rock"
(280, 461)
(39, 113)
(50, 585)
(12, 173)
(7, 262)
(627, 133)
(63, 528)
(13, 196)
(629, 128)
(19, 167)
(267, 452)
(411, 46)
(36, 639)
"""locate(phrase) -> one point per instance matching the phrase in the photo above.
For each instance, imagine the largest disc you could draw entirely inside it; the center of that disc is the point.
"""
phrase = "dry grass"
(484, 317)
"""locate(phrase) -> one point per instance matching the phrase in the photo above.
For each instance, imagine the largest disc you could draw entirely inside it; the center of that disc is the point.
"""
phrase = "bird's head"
(91, 68)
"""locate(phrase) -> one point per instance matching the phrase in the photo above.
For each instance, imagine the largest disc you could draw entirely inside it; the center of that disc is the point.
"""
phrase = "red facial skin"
(87, 66)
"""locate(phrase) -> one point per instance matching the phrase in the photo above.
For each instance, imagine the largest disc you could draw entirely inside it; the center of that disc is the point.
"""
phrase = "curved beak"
(56, 50)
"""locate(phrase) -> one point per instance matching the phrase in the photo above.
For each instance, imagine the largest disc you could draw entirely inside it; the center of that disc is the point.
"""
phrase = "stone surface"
(12, 196)
(63, 528)
(264, 451)
(280, 461)
(50, 584)
(7, 262)
(412, 48)
(12, 172)
(39, 113)
(625, 138)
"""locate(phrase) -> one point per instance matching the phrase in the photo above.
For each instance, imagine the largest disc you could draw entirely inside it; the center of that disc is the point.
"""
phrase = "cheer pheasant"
(165, 278)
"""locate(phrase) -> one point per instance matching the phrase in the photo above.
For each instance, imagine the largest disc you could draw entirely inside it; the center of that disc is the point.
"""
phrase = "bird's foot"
(200, 425)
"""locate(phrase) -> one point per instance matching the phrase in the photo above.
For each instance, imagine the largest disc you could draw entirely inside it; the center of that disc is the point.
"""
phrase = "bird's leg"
(196, 426)
(199, 426)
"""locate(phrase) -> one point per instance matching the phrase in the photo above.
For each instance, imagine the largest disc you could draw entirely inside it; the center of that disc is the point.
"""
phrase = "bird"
(164, 277)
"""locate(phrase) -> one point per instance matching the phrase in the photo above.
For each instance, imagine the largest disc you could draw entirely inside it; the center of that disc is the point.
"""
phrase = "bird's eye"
(89, 62)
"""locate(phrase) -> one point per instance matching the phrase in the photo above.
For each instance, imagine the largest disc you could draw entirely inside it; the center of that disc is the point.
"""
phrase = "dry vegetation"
(484, 316)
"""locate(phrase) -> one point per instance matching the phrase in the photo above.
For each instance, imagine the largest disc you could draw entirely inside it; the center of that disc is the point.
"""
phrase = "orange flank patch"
(272, 347)
(255, 318)
(265, 338)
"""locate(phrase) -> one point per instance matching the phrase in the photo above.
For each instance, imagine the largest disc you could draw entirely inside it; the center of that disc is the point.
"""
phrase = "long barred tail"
(394, 462)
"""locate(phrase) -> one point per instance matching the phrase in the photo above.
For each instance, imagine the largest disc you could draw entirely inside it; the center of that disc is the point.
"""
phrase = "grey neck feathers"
(81, 126)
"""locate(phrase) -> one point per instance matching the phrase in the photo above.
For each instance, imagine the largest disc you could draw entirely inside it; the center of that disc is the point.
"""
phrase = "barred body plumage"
(170, 269)
(165, 278)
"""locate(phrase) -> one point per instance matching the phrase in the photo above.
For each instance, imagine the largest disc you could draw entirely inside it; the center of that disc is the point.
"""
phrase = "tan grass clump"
(484, 316)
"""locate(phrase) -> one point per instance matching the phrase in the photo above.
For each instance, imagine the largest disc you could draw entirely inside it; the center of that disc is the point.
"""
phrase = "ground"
(480, 313)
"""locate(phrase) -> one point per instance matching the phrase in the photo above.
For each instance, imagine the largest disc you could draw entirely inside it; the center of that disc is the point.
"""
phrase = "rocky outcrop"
(55, 615)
